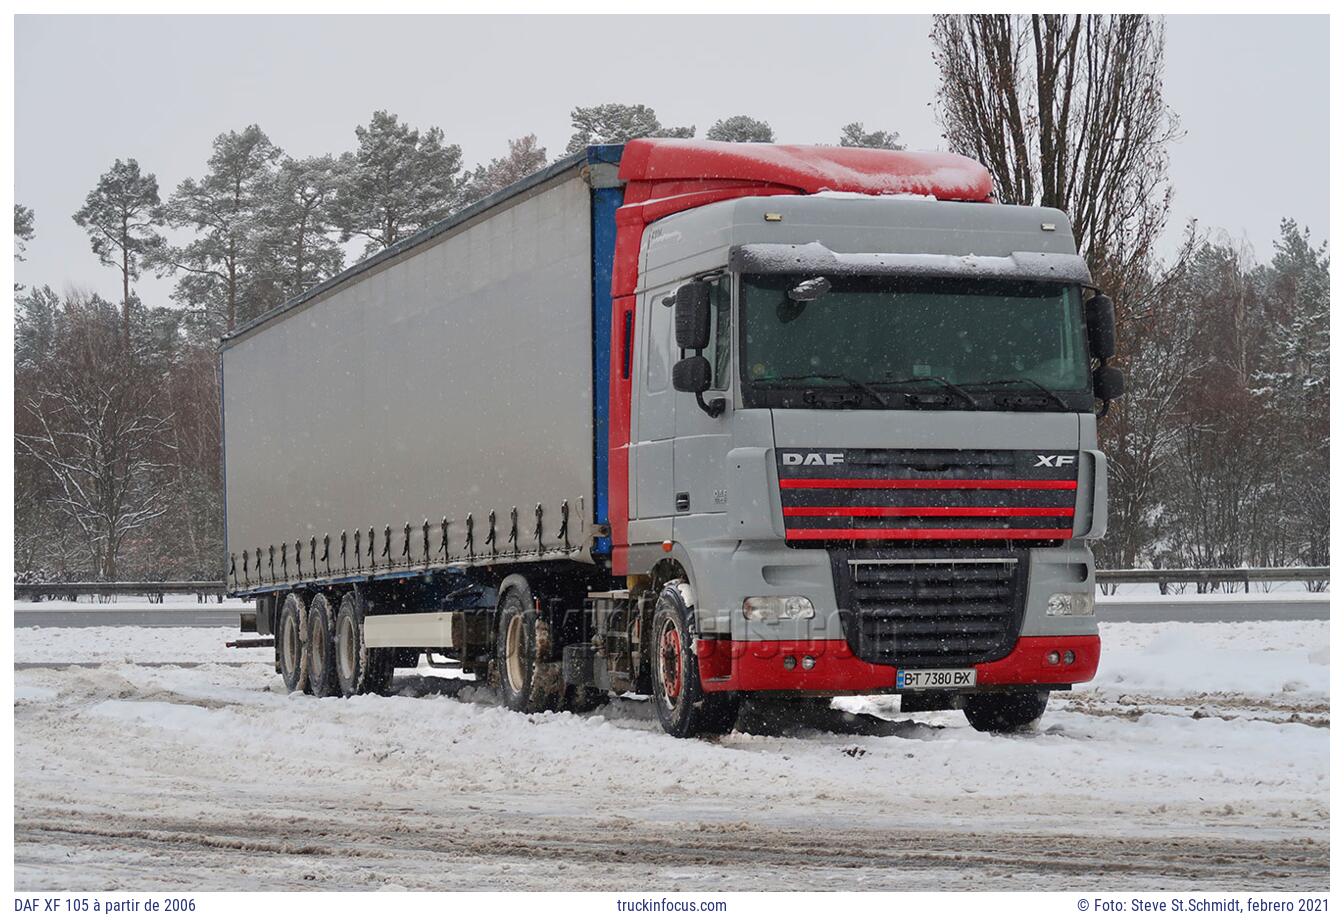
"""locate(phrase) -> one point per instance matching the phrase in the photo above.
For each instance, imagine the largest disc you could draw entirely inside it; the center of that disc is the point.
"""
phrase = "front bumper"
(727, 664)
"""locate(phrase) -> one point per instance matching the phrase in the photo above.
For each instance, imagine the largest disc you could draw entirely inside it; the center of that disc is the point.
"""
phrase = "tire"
(527, 678)
(358, 669)
(289, 644)
(1005, 712)
(684, 709)
(321, 648)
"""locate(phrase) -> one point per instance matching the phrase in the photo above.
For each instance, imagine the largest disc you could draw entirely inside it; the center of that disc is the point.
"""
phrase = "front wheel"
(1005, 711)
(684, 708)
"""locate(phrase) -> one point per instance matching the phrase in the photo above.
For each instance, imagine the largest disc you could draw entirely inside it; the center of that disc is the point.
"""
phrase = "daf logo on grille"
(1054, 460)
(813, 459)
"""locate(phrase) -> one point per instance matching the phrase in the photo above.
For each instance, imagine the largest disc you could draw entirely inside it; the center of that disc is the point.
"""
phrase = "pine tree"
(616, 123)
(297, 225)
(525, 157)
(223, 280)
(1295, 381)
(399, 180)
(23, 230)
(741, 129)
(121, 215)
(853, 135)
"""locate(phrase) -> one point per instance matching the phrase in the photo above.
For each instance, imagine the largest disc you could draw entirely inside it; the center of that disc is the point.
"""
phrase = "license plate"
(935, 679)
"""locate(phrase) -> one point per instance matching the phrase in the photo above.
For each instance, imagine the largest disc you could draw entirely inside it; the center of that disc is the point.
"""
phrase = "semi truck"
(694, 420)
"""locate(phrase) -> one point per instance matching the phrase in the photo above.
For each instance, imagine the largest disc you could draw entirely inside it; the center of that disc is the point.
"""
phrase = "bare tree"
(1066, 111)
(90, 422)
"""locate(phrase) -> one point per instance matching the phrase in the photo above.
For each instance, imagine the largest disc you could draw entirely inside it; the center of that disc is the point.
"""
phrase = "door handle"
(683, 500)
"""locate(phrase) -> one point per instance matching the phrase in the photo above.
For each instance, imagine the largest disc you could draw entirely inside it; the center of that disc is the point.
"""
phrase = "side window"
(720, 352)
(658, 376)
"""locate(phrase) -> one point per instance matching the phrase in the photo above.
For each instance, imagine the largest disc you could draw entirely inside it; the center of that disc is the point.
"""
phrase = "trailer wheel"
(522, 650)
(321, 648)
(289, 645)
(358, 669)
(684, 708)
(1005, 711)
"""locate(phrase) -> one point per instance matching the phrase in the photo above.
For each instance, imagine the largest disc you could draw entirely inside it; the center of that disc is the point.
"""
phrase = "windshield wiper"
(854, 384)
(944, 382)
(1040, 387)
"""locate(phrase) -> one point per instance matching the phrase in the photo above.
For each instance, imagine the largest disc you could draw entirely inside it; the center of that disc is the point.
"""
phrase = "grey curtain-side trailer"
(692, 420)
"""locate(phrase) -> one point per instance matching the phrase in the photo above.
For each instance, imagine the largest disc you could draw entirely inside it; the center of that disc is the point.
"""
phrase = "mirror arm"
(714, 408)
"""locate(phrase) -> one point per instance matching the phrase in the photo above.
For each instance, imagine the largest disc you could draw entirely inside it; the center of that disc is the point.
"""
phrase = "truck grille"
(885, 495)
(930, 611)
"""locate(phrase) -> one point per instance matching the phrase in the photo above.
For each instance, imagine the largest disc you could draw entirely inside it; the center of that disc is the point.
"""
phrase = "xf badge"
(1055, 460)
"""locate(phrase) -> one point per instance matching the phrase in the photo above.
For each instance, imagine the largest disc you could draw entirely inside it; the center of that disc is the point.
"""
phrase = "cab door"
(651, 483)
(702, 441)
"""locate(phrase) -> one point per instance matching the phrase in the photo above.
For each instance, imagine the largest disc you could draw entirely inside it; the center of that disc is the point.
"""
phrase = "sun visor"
(816, 259)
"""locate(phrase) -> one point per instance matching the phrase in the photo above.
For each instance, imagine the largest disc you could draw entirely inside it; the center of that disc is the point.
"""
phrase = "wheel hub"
(670, 660)
(513, 652)
(345, 649)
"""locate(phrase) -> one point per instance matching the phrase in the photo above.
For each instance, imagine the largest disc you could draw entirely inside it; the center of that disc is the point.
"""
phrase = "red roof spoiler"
(654, 162)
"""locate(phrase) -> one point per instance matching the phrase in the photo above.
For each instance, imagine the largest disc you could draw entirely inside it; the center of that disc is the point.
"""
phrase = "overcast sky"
(1251, 93)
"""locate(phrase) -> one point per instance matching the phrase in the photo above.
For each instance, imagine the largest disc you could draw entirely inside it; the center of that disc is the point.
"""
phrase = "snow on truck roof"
(869, 171)
(651, 167)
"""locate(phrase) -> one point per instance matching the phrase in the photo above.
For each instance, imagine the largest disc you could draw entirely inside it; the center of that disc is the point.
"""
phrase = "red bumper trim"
(726, 664)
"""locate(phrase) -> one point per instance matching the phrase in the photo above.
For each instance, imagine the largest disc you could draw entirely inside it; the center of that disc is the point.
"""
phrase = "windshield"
(903, 342)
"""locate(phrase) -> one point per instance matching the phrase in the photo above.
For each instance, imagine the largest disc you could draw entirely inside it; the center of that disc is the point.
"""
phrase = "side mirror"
(692, 375)
(1108, 383)
(693, 316)
(1101, 327)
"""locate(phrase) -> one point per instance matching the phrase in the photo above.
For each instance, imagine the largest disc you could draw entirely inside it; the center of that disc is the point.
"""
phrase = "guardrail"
(1204, 577)
(154, 590)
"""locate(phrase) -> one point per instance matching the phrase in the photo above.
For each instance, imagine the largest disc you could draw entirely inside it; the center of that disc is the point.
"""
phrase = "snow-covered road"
(1199, 759)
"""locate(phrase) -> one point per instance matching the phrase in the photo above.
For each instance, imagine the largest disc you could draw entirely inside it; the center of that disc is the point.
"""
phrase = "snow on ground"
(1198, 758)
(136, 603)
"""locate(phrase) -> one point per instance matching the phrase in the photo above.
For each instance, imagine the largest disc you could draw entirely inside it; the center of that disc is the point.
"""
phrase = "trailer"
(692, 420)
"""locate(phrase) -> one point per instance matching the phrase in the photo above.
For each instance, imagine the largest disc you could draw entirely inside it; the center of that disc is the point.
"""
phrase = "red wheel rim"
(670, 647)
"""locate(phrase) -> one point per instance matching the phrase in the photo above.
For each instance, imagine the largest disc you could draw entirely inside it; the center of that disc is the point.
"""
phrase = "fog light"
(809, 662)
(1069, 605)
(1052, 658)
(789, 663)
(778, 608)
(1069, 657)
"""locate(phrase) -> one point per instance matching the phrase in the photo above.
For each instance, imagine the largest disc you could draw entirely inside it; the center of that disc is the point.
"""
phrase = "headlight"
(1069, 605)
(778, 608)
